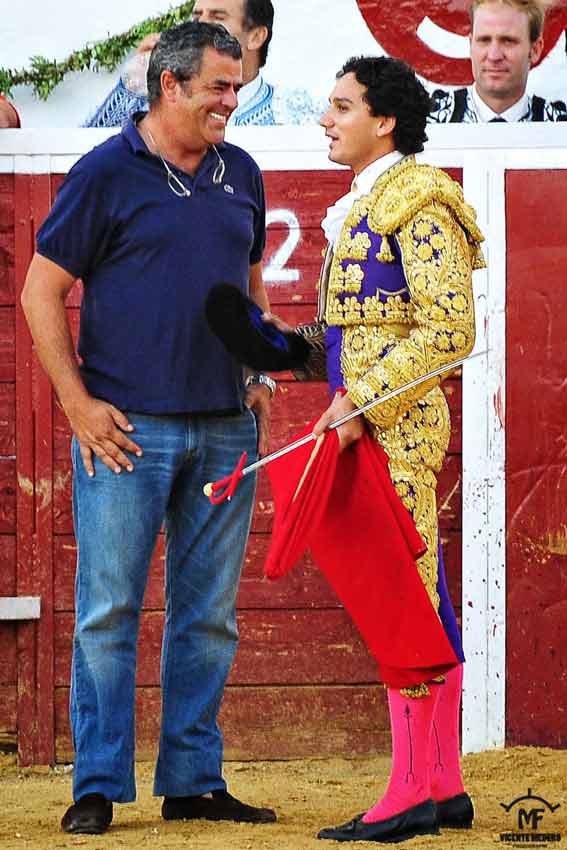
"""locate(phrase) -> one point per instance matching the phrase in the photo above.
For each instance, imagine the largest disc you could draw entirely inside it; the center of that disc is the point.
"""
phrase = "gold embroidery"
(352, 278)
(404, 190)
(393, 310)
(416, 485)
(353, 248)
(440, 283)
(397, 200)
(415, 692)
(385, 254)
(388, 343)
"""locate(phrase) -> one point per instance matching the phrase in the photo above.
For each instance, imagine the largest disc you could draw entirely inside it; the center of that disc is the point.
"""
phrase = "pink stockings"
(425, 748)
(445, 764)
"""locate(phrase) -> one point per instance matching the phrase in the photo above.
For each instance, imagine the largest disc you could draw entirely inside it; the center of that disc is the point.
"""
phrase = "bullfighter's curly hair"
(393, 90)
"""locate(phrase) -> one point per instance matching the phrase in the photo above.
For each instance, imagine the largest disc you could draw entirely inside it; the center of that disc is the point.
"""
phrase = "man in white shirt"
(506, 42)
(251, 22)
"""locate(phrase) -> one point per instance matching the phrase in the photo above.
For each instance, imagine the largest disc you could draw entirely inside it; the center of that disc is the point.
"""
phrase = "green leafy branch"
(45, 74)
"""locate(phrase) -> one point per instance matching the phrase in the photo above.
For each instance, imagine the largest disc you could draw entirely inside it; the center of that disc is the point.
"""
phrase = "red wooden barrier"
(301, 670)
(536, 452)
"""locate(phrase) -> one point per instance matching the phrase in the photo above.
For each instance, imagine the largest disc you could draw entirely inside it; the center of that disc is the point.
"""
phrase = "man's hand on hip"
(348, 433)
(258, 399)
(101, 428)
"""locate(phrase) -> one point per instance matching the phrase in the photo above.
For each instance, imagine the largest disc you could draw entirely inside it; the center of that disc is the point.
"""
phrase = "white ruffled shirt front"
(362, 184)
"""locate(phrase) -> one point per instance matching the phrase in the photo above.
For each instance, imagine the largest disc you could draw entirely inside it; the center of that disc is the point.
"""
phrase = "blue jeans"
(117, 520)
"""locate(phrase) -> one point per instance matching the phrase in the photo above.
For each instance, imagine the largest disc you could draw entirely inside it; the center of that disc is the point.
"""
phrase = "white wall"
(312, 39)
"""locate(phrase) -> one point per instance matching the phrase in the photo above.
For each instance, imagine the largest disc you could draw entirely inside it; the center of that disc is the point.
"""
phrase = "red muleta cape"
(363, 539)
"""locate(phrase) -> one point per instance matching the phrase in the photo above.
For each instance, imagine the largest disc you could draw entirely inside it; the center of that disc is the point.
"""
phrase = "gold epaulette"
(399, 195)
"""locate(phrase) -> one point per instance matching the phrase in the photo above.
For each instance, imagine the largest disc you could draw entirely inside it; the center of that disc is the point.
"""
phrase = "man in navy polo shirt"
(150, 221)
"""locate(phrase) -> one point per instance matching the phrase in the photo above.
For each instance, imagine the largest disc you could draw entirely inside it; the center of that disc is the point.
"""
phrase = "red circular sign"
(394, 24)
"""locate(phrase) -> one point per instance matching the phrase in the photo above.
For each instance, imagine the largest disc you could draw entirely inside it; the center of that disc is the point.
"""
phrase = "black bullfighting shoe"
(220, 805)
(91, 815)
(419, 820)
(456, 812)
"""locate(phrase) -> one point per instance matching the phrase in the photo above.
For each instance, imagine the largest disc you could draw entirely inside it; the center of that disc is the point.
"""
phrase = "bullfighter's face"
(356, 137)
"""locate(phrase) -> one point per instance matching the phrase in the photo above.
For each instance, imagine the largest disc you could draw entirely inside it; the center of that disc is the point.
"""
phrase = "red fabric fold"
(363, 539)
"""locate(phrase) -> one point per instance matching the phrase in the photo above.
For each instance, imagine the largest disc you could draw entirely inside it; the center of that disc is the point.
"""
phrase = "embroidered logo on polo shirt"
(228, 188)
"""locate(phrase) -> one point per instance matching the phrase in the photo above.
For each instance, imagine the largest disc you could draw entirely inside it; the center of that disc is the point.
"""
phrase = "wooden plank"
(7, 495)
(536, 493)
(310, 192)
(8, 713)
(7, 420)
(27, 644)
(8, 654)
(7, 246)
(292, 264)
(304, 587)
(276, 647)
(7, 347)
(449, 493)
(269, 723)
(34, 548)
(43, 549)
(8, 563)
(453, 389)
(7, 268)
(451, 540)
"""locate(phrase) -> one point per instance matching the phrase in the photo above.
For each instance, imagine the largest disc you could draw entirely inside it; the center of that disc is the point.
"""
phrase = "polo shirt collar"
(132, 135)
(134, 139)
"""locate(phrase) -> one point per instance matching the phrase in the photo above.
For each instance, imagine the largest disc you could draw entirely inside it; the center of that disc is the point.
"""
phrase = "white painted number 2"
(276, 272)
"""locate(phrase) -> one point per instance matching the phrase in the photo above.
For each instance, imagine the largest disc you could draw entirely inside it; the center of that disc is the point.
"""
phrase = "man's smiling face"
(210, 97)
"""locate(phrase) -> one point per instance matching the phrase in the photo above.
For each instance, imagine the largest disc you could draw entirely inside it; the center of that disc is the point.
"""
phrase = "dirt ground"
(307, 794)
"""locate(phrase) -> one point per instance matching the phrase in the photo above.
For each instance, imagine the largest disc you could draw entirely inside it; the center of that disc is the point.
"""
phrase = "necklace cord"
(175, 184)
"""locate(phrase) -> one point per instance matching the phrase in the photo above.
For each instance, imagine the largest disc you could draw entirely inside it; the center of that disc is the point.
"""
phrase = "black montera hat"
(237, 321)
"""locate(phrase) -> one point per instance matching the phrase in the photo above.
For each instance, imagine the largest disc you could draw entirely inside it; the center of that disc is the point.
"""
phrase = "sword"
(223, 490)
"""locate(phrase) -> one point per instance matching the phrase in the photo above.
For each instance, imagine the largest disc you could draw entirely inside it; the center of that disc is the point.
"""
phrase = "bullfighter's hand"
(279, 324)
(348, 433)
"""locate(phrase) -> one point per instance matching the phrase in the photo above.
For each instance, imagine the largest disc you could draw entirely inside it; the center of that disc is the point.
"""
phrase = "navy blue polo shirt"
(148, 259)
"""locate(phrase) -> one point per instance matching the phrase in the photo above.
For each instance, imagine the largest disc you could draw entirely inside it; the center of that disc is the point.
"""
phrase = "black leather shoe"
(456, 812)
(92, 814)
(219, 806)
(419, 820)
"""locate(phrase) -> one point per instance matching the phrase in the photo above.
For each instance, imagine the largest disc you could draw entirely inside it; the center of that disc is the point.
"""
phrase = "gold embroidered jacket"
(400, 290)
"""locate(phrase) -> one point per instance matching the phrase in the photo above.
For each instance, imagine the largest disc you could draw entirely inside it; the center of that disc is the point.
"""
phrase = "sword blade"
(448, 367)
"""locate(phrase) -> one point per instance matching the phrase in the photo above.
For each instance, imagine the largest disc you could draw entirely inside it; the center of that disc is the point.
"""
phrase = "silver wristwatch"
(262, 379)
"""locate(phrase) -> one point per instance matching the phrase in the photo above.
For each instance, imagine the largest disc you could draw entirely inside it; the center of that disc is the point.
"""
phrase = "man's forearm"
(258, 292)
(49, 326)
